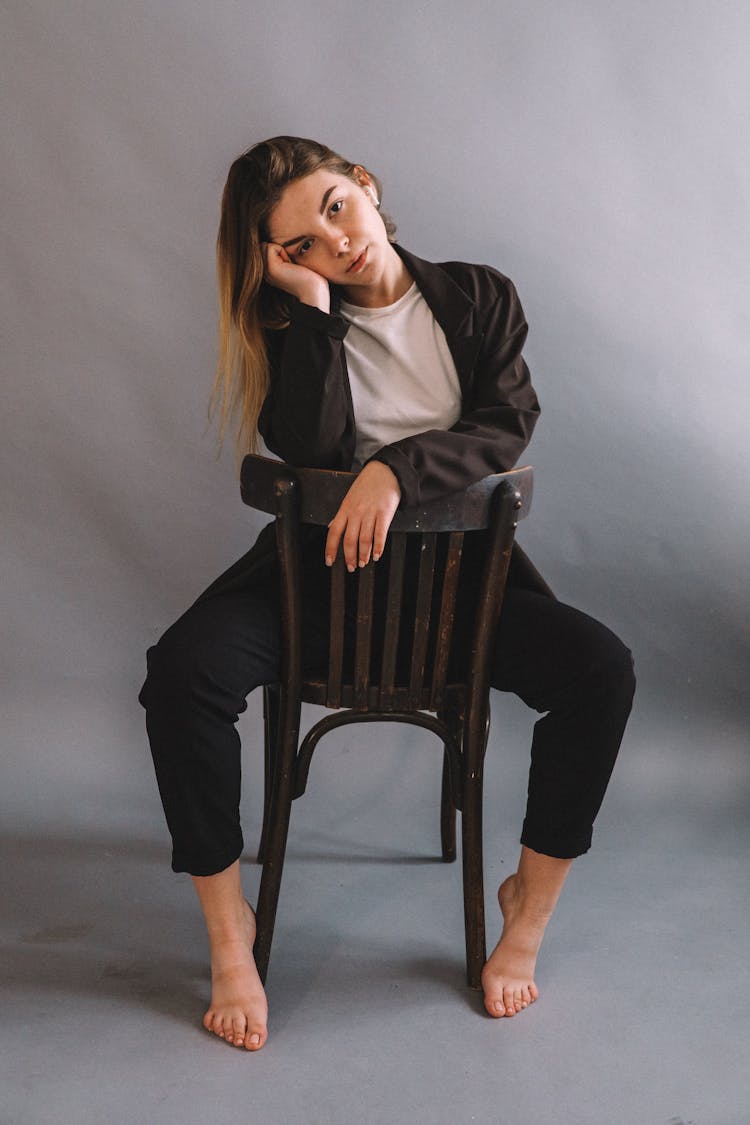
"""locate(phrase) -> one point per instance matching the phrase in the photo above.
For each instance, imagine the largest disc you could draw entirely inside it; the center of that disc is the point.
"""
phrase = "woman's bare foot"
(527, 900)
(238, 1011)
(508, 976)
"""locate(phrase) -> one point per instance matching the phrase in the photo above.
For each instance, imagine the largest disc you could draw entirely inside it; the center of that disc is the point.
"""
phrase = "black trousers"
(560, 661)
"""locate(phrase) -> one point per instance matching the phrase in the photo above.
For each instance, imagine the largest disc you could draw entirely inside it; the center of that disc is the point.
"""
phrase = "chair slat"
(445, 621)
(336, 631)
(422, 616)
(392, 619)
(365, 586)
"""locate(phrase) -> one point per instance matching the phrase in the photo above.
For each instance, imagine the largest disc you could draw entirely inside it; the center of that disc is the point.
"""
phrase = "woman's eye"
(336, 207)
(303, 247)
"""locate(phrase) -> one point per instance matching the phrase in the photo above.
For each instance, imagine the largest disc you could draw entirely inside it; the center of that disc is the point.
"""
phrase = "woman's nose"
(340, 243)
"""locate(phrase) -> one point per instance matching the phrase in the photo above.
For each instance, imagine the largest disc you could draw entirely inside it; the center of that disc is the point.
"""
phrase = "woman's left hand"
(364, 517)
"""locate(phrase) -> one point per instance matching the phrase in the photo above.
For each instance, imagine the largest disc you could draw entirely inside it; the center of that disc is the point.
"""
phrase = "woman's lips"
(358, 263)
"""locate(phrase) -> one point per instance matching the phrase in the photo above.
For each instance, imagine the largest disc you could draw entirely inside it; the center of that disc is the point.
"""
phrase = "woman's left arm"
(498, 414)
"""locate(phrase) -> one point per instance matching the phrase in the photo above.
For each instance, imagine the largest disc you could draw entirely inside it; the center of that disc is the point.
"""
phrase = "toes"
(208, 1020)
(513, 999)
(493, 1006)
(239, 1026)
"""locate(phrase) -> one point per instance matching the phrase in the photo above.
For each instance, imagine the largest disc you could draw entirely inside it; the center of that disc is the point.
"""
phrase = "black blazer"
(308, 418)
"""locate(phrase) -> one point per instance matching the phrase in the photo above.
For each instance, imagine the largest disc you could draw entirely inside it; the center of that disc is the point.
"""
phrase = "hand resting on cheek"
(299, 281)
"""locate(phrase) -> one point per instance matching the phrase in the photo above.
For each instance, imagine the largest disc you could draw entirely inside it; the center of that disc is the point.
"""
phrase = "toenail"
(255, 1039)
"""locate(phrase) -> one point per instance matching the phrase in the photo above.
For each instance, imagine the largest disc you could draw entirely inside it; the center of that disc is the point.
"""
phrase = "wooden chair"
(400, 664)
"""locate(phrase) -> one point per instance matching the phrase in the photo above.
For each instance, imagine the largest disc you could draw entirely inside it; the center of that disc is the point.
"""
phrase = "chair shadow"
(315, 846)
(88, 915)
(102, 916)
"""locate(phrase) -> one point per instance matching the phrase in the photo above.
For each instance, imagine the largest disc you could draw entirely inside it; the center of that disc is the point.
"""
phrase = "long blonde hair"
(248, 305)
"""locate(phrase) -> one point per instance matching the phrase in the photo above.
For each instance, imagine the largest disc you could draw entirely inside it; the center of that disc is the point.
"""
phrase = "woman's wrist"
(318, 296)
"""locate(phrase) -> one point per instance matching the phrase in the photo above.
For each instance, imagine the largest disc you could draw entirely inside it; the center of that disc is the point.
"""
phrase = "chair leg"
(448, 802)
(447, 814)
(278, 829)
(473, 878)
(270, 738)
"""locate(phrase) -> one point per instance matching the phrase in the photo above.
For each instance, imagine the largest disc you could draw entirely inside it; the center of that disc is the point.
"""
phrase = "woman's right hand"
(281, 272)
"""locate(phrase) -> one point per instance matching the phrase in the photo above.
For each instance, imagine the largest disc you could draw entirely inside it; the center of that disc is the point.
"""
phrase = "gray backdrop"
(595, 154)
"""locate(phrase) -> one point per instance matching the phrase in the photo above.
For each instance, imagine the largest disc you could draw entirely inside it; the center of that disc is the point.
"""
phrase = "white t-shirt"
(401, 372)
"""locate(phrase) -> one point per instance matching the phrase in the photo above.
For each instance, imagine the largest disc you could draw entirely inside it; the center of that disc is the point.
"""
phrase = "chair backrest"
(425, 547)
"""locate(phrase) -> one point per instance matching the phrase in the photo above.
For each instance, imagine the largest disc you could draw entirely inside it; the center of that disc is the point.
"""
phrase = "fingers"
(379, 537)
(358, 542)
(356, 538)
(335, 531)
(291, 277)
(364, 517)
(273, 257)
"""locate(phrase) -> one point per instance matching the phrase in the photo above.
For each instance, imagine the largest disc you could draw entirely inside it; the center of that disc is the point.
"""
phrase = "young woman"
(348, 352)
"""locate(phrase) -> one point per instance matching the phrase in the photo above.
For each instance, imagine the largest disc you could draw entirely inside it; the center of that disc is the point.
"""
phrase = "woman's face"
(330, 224)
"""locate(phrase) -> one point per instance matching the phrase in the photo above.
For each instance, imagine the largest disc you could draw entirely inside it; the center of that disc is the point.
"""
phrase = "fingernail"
(329, 560)
(350, 568)
(375, 557)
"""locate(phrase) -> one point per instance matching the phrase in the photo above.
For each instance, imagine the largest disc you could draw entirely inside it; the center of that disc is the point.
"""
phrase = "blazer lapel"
(454, 311)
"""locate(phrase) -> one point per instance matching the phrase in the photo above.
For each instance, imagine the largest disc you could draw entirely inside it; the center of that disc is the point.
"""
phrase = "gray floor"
(643, 1016)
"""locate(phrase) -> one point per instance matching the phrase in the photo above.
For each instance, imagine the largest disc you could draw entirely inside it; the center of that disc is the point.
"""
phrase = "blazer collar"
(453, 309)
(450, 306)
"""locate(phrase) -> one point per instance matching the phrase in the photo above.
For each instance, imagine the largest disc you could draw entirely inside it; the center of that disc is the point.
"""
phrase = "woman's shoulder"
(478, 281)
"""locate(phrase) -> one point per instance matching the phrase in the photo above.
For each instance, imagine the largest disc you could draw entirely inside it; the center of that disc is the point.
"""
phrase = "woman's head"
(250, 204)
(254, 188)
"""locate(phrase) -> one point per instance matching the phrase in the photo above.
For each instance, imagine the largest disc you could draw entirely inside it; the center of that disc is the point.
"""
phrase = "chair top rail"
(321, 492)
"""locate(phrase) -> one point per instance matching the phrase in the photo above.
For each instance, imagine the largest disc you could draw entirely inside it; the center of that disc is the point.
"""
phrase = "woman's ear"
(364, 179)
(362, 176)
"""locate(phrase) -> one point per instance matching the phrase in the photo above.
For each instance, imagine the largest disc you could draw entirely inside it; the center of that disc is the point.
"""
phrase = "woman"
(347, 351)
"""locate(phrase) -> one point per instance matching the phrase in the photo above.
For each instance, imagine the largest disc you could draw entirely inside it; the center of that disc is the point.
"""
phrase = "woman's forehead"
(303, 197)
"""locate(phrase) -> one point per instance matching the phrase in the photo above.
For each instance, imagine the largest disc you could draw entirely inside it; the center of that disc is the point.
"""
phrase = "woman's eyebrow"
(324, 201)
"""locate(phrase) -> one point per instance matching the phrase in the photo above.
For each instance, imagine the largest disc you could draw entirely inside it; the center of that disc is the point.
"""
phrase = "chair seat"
(315, 691)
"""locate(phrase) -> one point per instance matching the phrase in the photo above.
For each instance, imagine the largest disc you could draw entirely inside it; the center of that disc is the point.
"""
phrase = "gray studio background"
(595, 153)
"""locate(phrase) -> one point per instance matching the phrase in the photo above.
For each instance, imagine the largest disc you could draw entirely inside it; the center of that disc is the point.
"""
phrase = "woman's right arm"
(305, 418)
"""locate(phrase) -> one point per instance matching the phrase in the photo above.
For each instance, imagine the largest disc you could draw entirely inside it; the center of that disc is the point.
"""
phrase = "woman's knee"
(219, 650)
(611, 679)
(168, 665)
(621, 666)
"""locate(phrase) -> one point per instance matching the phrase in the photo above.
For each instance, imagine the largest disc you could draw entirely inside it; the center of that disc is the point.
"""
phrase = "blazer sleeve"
(306, 418)
(499, 412)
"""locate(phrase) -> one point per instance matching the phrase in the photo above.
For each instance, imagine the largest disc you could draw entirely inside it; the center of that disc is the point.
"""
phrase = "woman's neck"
(393, 282)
